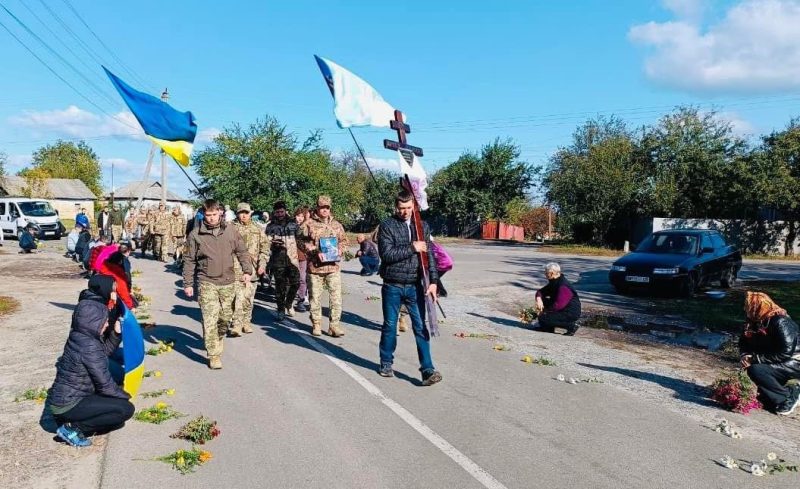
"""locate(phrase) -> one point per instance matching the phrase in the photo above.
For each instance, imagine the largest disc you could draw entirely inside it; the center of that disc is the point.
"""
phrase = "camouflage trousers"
(160, 247)
(243, 305)
(216, 304)
(287, 281)
(316, 286)
(176, 245)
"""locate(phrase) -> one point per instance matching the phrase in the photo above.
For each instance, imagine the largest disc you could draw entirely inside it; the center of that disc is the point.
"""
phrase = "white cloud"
(78, 123)
(16, 163)
(755, 47)
(205, 136)
(691, 10)
(740, 126)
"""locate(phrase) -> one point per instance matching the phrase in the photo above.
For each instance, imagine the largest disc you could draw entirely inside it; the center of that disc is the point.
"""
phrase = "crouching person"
(557, 303)
(84, 398)
(770, 352)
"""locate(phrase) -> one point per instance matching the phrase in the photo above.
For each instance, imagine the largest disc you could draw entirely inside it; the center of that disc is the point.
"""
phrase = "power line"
(113, 55)
(57, 75)
(57, 55)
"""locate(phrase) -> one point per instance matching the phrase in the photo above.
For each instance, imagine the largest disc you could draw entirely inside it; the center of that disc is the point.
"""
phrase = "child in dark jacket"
(84, 398)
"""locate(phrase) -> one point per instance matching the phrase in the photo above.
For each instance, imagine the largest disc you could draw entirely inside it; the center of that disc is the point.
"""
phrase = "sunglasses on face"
(324, 207)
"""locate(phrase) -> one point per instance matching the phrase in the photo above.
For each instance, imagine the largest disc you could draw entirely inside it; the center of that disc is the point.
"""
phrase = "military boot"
(335, 330)
(316, 329)
(402, 323)
(247, 329)
(215, 362)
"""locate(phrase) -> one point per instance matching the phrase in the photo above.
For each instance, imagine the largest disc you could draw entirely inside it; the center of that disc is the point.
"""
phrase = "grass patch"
(575, 249)
(38, 394)
(8, 305)
(727, 314)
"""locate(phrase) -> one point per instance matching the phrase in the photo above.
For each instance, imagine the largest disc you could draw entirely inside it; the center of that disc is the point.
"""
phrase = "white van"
(17, 212)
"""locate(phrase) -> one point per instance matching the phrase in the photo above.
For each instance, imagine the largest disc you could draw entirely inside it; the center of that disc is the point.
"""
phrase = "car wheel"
(689, 285)
(728, 279)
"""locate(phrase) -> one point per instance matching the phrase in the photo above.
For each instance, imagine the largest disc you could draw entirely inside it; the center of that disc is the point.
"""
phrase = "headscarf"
(760, 308)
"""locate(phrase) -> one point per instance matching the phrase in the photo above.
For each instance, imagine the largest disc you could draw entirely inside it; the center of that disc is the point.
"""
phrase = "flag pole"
(361, 152)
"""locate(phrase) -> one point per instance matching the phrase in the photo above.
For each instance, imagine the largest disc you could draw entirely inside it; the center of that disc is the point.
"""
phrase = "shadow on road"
(186, 342)
(499, 320)
(63, 305)
(263, 320)
(685, 391)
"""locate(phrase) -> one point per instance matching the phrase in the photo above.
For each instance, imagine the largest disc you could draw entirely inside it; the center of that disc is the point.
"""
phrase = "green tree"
(3, 162)
(595, 181)
(264, 162)
(693, 162)
(481, 184)
(65, 159)
(780, 152)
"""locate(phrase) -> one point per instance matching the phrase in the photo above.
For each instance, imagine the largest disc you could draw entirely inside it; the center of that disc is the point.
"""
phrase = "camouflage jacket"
(257, 246)
(143, 221)
(177, 225)
(161, 223)
(311, 232)
(283, 243)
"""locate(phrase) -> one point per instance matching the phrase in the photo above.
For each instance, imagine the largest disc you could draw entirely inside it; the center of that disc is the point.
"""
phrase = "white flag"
(356, 103)
(417, 177)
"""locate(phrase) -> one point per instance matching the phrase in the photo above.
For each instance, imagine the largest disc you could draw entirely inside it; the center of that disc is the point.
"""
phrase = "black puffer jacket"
(779, 345)
(399, 261)
(82, 369)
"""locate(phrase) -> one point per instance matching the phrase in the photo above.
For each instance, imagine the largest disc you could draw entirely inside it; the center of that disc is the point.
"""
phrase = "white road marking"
(462, 460)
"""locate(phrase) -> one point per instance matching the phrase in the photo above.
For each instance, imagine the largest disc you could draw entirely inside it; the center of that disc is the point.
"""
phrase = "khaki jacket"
(316, 228)
(211, 252)
(257, 245)
(177, 226)
(161, 223)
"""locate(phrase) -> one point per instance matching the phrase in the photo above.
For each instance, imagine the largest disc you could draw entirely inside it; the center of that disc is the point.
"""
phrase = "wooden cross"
(402, 129)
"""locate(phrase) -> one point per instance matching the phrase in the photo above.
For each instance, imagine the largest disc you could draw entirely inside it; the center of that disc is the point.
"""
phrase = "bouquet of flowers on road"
(736, 392)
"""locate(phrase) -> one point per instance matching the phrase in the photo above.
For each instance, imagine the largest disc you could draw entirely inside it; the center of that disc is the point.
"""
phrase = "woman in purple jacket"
(557, 303)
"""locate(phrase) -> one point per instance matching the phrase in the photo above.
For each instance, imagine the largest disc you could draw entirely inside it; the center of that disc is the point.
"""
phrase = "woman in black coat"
(84, 398)
(771, 353)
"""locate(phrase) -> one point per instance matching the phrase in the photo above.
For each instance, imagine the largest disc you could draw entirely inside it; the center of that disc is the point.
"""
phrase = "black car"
(677, 260)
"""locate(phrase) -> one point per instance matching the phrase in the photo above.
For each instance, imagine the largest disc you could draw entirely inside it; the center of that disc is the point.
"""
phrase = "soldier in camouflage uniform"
(143, 222)
(210, 250)
(324, 274)
(257, 246)
(283, 261)
(177, 232)
(161, 233)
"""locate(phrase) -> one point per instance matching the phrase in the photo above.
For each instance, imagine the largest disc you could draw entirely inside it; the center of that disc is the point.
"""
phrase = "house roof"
(57, 188)
(152, 191)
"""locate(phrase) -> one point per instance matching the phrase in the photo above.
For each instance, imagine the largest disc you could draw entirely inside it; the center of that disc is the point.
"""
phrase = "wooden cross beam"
(402, 129)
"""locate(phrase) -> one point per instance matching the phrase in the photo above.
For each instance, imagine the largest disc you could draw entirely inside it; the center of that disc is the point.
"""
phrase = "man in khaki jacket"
(326, 242)
(257, 246)
(210, 248)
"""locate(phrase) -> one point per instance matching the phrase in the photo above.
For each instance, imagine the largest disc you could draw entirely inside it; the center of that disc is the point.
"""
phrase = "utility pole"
(112, 182)
(164, 98)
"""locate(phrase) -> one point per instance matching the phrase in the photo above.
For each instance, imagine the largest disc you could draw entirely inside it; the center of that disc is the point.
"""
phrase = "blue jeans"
(413, 296)
(369, 264)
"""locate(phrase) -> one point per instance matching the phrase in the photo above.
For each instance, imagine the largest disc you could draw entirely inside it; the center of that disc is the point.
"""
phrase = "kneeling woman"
(770, 352)
(557, 303)
(84, 398)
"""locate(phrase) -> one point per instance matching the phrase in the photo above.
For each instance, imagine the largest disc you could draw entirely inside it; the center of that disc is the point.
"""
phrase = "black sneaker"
(300, 307)
(430, 377)
(791, 403)
(386, 370)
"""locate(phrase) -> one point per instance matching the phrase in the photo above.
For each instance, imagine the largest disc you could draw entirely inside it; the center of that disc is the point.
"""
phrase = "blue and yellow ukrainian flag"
(172, 130)
(132, 353)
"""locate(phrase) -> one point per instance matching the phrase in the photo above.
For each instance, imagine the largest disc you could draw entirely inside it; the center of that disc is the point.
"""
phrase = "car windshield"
(37, 209)
(678, 244)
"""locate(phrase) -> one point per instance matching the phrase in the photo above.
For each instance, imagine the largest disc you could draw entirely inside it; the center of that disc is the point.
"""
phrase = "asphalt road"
(297, 411)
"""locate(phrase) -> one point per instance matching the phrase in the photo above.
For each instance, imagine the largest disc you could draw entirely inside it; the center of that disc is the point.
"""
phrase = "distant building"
(151, 196)
(66, 195)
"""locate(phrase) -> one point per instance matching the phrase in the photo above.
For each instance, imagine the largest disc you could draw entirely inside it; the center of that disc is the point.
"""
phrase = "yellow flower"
(204, 456)
(170, 392)
(527, 359)
(169, 348)
(157, 373)
(161, 405)
(180, 462)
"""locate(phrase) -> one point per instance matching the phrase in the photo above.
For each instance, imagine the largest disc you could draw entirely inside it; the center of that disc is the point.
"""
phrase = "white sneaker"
(290, 311)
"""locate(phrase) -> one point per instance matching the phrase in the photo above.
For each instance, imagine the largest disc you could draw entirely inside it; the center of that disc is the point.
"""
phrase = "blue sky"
(463, 72)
